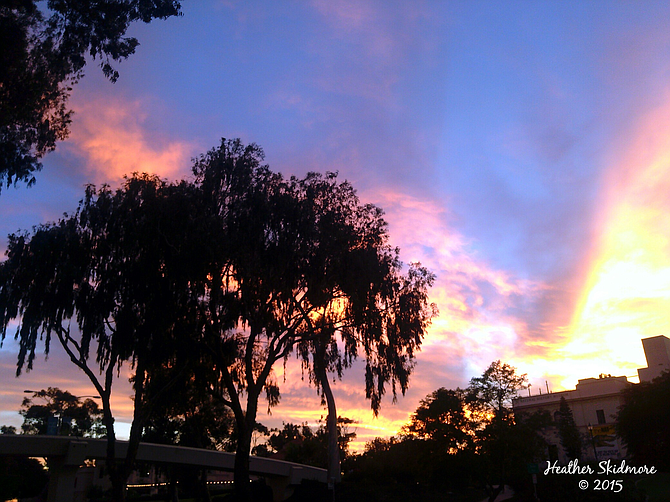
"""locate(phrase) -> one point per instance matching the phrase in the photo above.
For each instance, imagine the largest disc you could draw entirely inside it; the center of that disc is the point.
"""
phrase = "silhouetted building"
(657, 352)
(594, 404)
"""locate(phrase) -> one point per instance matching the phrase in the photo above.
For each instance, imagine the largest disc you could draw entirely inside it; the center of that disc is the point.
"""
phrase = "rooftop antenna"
(547, 384)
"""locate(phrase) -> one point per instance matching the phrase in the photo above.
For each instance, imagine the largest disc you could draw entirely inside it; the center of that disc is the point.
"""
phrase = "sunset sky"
(520, 150)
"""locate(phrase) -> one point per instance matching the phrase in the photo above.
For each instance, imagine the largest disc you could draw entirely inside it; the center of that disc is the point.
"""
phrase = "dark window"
(601, 416)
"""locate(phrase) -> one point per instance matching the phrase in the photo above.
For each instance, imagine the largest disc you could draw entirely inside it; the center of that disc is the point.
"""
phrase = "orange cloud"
(113, 137)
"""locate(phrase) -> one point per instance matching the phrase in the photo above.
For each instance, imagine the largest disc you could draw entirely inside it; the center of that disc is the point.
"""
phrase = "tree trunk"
(243, 450)
(241, 473)
(114, 469)
(334, 472)
(118, 485)
(120, 470)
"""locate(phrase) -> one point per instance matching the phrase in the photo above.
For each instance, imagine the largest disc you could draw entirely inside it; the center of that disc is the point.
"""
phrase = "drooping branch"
(65, 339)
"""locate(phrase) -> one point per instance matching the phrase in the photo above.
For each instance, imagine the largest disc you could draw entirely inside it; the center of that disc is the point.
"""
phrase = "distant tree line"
(453, 442)
(459, 439)
(462, 442)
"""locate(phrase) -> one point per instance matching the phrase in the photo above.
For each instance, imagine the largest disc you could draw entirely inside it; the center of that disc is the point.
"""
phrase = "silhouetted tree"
(43, 52)
(117, 268)
(571, 440)
(642, 422)
(493, 392)
(21, 478)
(362, 297)
(490, 396)
(449, 445)
(301, 444)
(245, 329)
(75, 417)
(443, 417)
(298, 263)
(191, 414)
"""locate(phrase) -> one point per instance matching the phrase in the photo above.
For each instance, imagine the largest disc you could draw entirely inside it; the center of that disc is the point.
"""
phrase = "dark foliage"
(492, 393)
(117, 268)
(443, 419)
(500, 442)
(190, 414)
(21, 478)
(409, 461)
(42, 57)
(231, 272)
(75, 417)
(457, 442)
(571, 439)
(643, 422)
(301, 444)
(299, 263)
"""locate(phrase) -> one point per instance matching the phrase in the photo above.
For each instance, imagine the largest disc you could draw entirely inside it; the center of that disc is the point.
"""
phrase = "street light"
(78, 397)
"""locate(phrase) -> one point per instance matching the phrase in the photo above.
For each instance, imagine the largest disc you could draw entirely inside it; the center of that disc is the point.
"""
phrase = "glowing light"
(626, 295)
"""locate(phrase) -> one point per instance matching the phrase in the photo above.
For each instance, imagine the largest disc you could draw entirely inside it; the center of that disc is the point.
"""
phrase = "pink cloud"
(113, 138)
(481, 308)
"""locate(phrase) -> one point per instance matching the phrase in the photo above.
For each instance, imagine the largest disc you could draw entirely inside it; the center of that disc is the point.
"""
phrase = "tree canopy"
(297, 263)
(457, 439)
(75, 417)
(500, 441)
(246, 265)
(116, 268)
(494, 390)
(188, 415)
(44, 50)
(443, 417)
(304, 445)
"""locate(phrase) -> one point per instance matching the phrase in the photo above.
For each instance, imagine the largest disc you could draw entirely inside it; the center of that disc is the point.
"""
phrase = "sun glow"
(626, 295)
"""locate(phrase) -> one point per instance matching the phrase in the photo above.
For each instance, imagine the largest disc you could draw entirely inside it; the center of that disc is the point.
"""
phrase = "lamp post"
(593, 442)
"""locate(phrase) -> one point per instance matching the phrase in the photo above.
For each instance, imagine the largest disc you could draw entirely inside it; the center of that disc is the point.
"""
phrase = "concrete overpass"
(66, 454)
